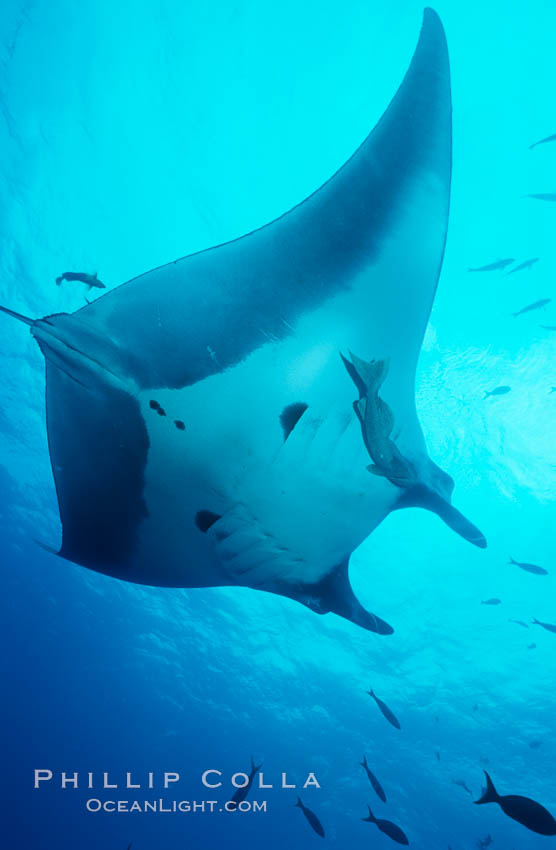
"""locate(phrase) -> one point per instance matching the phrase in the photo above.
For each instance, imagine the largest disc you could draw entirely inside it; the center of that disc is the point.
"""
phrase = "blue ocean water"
(134, 134)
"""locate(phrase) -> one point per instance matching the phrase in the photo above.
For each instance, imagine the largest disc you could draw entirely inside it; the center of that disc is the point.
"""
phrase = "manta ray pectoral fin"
(334, 594)
(98, 444)
(373, 235)
(422, 496)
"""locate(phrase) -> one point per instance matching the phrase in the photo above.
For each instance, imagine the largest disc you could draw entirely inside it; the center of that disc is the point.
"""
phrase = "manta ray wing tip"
(431, 16)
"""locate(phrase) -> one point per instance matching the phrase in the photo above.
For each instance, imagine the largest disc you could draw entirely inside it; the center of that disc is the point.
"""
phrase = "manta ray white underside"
(263, 481)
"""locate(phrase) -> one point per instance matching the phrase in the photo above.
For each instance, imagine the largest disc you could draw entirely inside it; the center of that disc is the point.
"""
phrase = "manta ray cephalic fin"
(422, 496)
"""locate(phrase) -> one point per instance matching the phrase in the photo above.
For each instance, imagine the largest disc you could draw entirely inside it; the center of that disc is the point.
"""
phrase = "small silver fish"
(526, 264)
(529, 568)
(525, 811)
(550, 627)
(551, 138)
(543, 196)
(390, 829)
(497, 391)
(493, 267)
(389, 715)
(311, 817)
(536, 305)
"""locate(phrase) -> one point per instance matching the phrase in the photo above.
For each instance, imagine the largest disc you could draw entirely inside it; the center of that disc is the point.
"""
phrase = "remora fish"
(536, 305)
(423, 486)
(389, 715)
(91, 280)
(377, 423)
(497, 391)
(388, 828)
(373, 780)
(236, 334)
(493, 267)
(529, 568)
(311, 817)
(522, 809)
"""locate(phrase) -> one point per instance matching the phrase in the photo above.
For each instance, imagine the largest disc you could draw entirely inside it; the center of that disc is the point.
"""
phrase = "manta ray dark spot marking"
(290, 416)
(154, 405)
(179, 424)
(204, 519)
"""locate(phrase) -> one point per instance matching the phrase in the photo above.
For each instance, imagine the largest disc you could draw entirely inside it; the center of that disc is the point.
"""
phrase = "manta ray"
(202, 418)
